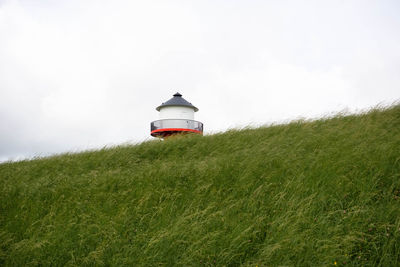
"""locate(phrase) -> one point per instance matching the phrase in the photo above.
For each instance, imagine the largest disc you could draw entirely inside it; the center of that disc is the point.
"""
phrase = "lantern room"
(176, 116)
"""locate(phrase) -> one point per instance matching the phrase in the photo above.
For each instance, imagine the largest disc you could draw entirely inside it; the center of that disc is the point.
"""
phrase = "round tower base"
(166, 132)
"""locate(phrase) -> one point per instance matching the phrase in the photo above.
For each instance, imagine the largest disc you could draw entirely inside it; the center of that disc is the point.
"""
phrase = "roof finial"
(177, 94)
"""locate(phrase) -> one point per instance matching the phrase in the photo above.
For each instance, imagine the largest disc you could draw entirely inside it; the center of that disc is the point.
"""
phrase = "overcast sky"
(76, 75)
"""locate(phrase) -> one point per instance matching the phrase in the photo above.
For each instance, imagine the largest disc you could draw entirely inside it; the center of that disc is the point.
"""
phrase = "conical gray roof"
(177, 100)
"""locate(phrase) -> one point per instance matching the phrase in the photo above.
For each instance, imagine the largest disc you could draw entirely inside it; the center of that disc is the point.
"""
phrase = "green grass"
(308, 193)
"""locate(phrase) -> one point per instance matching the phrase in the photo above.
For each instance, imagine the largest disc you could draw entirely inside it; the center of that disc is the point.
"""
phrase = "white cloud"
(82, 74)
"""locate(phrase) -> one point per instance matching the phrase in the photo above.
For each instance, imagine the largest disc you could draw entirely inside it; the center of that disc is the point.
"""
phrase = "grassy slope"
(306, 193)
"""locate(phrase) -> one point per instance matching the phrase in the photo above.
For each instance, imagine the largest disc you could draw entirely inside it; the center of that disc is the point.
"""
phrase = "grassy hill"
(320, 193)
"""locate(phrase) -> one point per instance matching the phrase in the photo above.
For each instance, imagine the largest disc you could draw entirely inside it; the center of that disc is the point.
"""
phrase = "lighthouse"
(176, 116)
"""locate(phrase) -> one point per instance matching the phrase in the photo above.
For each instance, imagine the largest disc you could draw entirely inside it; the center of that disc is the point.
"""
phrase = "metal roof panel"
(177, 100)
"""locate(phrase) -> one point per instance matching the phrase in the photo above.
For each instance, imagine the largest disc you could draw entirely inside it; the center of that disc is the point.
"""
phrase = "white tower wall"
(176, 112)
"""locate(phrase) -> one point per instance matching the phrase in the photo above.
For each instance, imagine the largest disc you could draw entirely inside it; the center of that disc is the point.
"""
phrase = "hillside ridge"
(308, 193)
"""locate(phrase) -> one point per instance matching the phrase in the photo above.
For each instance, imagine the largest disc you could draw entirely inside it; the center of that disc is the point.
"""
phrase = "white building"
(176, 116)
